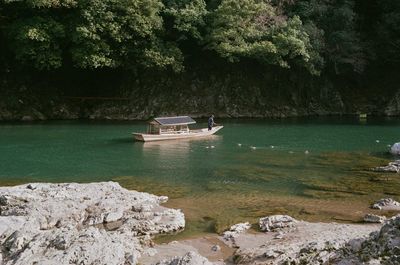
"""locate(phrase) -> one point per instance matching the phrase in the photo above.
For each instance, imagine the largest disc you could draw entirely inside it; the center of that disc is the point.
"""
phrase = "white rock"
(391, 167)
(275, 222)
(386, 204)
(53, 223)
(373, 218)
(236, 230)
(113, 216)
(395, 149)
(151, 252)
(309, 243)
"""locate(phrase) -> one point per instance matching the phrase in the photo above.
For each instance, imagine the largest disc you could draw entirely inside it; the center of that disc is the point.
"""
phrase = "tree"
(37, 41)
(255, 29)
(112, 33)
(187, 17)
(335, 33)
(90, 33)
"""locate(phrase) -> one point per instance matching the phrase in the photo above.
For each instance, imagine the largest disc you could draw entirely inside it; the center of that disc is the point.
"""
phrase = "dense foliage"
(317, 37)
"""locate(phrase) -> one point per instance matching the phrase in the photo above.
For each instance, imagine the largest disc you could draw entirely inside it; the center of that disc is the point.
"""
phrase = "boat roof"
(178, 120)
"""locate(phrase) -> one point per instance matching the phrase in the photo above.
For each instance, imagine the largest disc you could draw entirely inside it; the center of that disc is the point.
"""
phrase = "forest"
(235, 58)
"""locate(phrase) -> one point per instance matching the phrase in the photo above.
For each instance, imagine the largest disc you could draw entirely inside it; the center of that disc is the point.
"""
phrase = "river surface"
(312, 169)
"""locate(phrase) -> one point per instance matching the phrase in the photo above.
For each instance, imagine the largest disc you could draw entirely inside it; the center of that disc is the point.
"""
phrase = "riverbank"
(222, 102)
(103, 223)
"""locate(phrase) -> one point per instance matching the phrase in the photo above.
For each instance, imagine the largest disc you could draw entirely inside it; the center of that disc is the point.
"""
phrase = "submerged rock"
(96, 223)
(190, 258)
(386, 204)
(391, 167)
(373, 218)
(276, 222)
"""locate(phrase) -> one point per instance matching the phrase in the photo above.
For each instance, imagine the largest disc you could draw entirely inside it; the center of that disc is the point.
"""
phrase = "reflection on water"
(177, 148)
(312, 170)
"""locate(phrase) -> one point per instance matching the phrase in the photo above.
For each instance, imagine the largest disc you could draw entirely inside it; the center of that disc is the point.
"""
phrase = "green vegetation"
(329, 41)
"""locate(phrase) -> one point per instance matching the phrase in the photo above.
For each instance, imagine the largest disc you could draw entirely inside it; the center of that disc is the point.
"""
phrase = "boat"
(173, 128)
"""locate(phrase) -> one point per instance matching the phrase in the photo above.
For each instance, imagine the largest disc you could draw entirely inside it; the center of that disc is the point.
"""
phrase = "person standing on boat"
(211, 122)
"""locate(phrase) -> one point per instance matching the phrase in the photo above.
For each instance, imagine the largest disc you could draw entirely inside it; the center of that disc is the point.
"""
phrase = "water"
(314, 169)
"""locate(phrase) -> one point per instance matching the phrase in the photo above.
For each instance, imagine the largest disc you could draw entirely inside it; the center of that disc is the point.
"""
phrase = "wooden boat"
(171, 128)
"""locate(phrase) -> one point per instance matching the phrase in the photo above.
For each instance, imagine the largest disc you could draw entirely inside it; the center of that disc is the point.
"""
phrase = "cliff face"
(240, 90)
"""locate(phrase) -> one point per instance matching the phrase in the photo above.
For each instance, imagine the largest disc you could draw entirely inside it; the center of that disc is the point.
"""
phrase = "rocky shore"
(103, 223)
(99, 223)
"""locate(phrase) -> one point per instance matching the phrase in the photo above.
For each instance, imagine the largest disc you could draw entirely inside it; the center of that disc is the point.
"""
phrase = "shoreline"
(27, 119)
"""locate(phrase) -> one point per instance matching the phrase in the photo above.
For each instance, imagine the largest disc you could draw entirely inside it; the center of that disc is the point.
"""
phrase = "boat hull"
(143, 137)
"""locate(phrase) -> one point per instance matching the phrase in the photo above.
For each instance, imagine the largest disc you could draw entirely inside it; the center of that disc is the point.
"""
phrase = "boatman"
(211, 122)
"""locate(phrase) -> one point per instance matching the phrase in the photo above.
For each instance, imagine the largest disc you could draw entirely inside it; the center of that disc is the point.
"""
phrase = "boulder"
(395, 149)
(276, 222)
(62, 223)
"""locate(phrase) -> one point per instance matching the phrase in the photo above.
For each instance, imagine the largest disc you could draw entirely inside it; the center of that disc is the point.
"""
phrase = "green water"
(216, 181)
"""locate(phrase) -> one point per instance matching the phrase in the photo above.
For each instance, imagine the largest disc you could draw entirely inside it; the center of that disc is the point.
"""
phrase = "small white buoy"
(306, 152)
(291, 152)
(212, 146)
(207, 147)
(377, 141)
(253, 147)
(272, 147)
(389, 145)
(239, 144)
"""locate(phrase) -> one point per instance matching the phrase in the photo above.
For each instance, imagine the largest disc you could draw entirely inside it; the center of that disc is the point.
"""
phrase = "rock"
(373, 218)
(276, 222)
(386, 204)
(27, 118)
(393, 106)
(395, 149)
(113, 216)
(382, 247)
(236, 230)
(391, 167)
(309, 243)
(55, 223)
(190, 258)
(151, 252)
(279, 235)
(216, 248)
